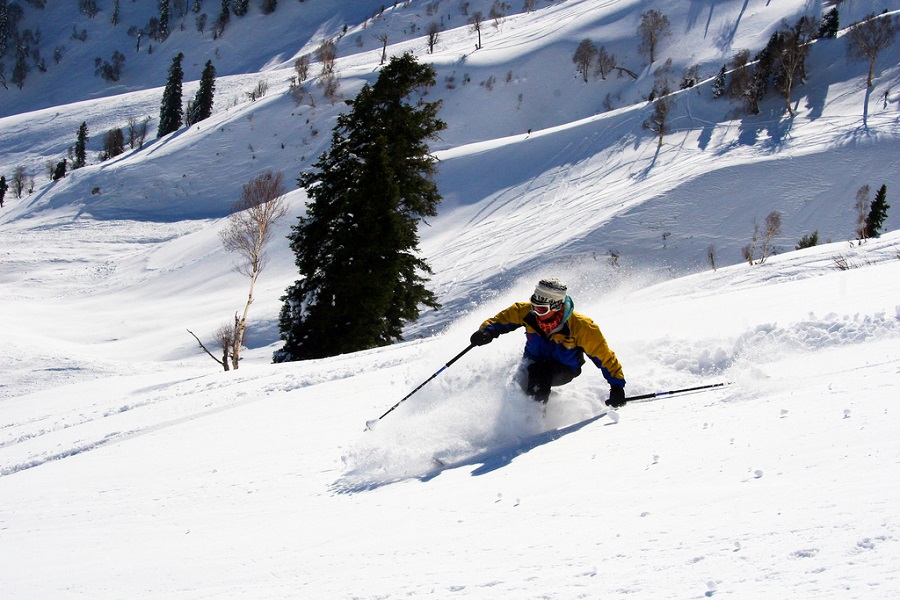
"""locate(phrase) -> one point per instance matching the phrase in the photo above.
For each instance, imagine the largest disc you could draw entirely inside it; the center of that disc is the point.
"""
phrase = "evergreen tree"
(3, 187)
(4, 27)
(718, 84)
(20, 69)
(170, 111)
(60, 170)
(223, 19)
(878, 213)
(830, 24)
(356, 247)
(162, 31)
(240, 7)
(808, 241)
(203, 100)
(81, 140)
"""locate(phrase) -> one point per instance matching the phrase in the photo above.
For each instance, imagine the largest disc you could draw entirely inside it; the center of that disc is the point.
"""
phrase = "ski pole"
(373, 422)
(670, 392)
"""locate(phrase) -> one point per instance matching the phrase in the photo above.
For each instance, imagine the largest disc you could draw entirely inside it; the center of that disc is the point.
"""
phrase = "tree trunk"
(240, 325)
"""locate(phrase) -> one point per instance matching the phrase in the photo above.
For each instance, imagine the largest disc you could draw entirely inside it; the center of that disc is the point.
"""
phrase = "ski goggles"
(541, 309)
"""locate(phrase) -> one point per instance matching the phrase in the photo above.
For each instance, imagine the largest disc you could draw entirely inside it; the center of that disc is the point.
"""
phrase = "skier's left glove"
(616, 397)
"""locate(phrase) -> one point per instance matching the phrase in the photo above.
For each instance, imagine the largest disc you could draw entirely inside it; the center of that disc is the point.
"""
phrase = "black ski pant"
(544, 374)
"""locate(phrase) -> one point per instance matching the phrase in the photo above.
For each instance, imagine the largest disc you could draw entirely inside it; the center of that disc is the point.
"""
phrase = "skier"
(557, 338)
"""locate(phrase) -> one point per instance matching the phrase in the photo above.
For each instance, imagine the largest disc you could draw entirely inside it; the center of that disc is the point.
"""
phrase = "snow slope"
(131, 467)
(182, 482)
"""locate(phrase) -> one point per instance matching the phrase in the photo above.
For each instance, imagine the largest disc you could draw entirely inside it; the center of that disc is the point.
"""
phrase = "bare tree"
(301, 65)
(327, 54)
(744, 83)
(789, 56)
(248, 232)
(383, 38)
(868, 38)
(224, 340)
(862, 205)
(475, 21)
(137, 132)
(773, 229)
(433, 31)
(653, 28)
(749, 251)
(19, 181)
(657, 122)
(606, 62)
(584, 57)
(330, 85)
(498, 12)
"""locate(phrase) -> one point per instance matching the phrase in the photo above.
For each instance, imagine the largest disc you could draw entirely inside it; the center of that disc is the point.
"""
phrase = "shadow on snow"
(485, 461)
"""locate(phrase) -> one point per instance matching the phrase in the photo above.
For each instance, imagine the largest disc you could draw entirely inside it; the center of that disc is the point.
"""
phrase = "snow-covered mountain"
(131, 467)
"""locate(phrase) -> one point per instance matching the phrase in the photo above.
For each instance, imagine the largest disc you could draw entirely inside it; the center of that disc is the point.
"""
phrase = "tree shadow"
(705, 136)
(644, 173)
(748, 132)
(726, 34)
(696, 10)
(815, 101)
(866, 109)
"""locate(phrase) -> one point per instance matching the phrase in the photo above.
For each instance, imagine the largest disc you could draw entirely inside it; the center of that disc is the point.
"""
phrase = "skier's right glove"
(616, 396)
(482, 337)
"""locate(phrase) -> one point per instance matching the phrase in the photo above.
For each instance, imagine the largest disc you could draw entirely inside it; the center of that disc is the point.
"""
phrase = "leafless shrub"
(772, 229)
(223, 340)
(613, 258)
(301, 65)
(327, 54)
(261, 89)
(330, 84)
(841, 263)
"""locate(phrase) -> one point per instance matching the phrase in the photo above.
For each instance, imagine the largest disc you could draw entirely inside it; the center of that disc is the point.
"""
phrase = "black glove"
(616, 397)
(482, 337)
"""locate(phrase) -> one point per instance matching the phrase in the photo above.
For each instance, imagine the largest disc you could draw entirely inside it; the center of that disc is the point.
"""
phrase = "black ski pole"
(373, 422)
(670, 392)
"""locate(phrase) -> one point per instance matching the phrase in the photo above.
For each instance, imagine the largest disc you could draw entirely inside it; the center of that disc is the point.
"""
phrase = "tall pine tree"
(877, 213)
(202, 106)
(170, 111)
(81, 140)
(163, 29)
(830, 24)
(356, 247)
